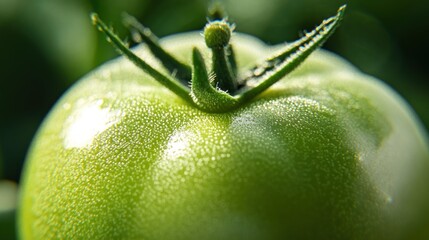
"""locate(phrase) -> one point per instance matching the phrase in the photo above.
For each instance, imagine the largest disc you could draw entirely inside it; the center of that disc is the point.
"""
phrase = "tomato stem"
(217, 35)
(203, 93)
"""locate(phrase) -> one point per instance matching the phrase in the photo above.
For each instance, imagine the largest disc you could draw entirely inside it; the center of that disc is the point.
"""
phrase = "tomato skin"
(326, 153)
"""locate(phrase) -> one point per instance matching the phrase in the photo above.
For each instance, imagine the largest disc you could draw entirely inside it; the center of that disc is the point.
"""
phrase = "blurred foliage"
(46, 45)
(1, 165)
(8, 196)
(7, 225)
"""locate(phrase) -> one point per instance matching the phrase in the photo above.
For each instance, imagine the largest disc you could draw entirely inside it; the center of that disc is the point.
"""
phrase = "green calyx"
(222, 89)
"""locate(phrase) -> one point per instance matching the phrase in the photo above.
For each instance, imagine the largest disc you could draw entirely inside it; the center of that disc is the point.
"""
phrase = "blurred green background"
(47, 45)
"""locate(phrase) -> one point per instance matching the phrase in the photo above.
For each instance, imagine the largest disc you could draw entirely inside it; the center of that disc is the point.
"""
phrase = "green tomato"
(326, 152)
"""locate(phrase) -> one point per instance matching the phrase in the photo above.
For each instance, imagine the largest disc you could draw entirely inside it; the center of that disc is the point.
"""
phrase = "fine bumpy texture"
(326, 153)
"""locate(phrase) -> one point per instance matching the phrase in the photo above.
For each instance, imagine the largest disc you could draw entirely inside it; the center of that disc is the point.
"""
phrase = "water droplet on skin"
(66, 106)
(147, 32)
(258, 72)
(137, 37)
(389, 199)
(94, 19)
